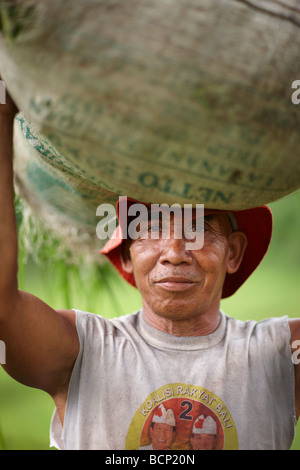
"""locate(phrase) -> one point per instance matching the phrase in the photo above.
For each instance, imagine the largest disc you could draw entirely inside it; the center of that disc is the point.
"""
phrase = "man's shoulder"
(273, 327)
(95, 322)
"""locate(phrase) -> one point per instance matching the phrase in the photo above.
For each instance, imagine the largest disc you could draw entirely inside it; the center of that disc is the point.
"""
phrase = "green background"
(273, 290)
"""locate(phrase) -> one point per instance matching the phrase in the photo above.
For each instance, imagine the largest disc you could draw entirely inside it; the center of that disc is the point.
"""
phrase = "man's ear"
(125, 257)
(237, 246)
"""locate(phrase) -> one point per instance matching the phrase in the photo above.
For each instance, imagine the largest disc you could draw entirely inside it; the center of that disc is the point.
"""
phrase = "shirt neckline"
(162, 340)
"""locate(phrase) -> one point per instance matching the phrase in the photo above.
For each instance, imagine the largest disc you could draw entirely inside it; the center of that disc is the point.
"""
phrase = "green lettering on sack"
(148, 180)
(42, 181)
(29, 135)
(220, 196)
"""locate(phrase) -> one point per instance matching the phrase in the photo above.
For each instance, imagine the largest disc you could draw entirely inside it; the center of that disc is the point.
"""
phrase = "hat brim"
(256, 223)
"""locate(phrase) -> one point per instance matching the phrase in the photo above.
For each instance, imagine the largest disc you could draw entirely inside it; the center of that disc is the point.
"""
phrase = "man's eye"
(150, 227)
(197, 228)
(154, 228)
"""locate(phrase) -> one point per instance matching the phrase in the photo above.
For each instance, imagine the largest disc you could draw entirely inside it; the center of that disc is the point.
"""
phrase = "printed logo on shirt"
(182, 417)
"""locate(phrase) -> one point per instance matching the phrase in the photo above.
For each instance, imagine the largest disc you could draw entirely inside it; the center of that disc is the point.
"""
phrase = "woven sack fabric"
(158, 100)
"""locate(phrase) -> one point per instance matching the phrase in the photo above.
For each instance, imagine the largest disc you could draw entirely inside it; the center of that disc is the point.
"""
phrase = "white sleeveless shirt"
(241, 376)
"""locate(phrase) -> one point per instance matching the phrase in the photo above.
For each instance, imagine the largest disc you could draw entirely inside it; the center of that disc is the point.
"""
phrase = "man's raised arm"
(41, 343)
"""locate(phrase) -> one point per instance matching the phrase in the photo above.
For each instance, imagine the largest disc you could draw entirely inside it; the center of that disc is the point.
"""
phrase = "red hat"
(256, 223)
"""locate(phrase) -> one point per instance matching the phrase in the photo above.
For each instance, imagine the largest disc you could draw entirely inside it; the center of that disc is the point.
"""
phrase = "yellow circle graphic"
(180, 416)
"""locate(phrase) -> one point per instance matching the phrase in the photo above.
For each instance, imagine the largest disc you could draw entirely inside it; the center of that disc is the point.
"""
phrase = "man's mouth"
(176, 283)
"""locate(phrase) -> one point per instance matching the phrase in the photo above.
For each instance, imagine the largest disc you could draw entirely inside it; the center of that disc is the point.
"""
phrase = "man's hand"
(9, 109)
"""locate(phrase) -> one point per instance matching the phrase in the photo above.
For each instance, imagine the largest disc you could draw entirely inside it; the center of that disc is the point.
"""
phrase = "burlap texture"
(163, 101)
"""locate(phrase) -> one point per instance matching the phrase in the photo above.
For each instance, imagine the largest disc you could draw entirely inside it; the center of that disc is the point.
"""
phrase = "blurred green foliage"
(273, 290)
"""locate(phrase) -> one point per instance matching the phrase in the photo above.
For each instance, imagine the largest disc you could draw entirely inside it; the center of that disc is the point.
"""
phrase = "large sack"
(57, 198)
(164, 101)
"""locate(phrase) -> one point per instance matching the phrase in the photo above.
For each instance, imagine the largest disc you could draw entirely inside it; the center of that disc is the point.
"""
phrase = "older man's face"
(175, 282)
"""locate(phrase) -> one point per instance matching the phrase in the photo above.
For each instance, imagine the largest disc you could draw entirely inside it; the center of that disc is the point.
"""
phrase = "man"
(105, 376)
(162, 429)
(204, 436)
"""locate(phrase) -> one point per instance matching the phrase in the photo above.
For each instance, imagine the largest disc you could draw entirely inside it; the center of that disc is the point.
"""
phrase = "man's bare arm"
(41, 343)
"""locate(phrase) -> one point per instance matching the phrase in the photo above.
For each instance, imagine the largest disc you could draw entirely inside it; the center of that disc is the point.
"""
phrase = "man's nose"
(174, 251)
